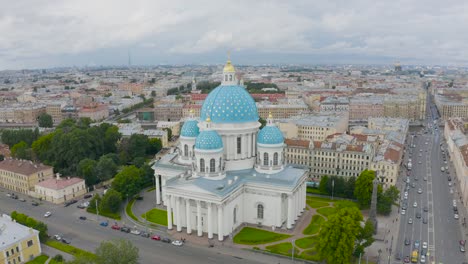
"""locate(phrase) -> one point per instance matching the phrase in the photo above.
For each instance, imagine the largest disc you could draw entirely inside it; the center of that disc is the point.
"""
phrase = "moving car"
(416, 244)
(425, 221)
(424, 244)
(82, 217)
(462, 248)
(403, 211)
(425, 209)
(419, 190)
(422, 259)
(415, 204)
(456, 216)
(418, 215)
(410, 221)
(177, 243)
(47, 214)
(34, 203)
(22, 200)
(407, 242)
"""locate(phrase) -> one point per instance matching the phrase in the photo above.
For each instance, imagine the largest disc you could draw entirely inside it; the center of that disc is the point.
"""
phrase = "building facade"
(18, 243)
(22, 175)
(59, 190)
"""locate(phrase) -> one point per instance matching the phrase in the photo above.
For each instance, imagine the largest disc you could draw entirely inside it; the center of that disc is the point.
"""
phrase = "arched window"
(212, 165)
(202, 165)
(230, 77)
(260, 211)
(186, 150)
(265, 159)
(275, 158)
(234, 215)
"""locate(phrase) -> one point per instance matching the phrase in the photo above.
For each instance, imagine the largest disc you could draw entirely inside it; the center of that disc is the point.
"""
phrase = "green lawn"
(54, 262)
(314, 190)
(314, 226)
(151, 189)
(282, 248)
(307, 242)
(106, 214)
(129, 211)
(345, 203)
(67, 248)
(156, 216)
(39, 260)
(310, 254)
(254, 236)
(320, 199)
(326, 211)
(316, 204)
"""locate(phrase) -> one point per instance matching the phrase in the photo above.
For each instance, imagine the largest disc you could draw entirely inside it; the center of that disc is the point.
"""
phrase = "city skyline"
(57, 34)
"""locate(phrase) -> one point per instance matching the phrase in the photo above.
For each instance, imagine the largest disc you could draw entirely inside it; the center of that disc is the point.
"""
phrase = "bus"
(414, 256)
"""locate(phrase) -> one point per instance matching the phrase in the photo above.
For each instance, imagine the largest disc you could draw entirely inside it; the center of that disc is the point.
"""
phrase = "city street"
(442, 231)
(88, 234)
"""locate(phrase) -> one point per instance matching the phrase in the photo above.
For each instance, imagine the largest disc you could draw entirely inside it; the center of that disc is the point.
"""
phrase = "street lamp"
(292, 256)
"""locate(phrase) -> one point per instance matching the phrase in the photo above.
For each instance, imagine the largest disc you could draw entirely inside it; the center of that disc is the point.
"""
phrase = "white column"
(178, 218)
(169, 213)
(163, 192)
(199, 222)
(210, 222)
(279, 211)
(244, 146)
(290, 220)
(249, 145)
(188, 214)
(158, 193)
(236, 156)
(220, 223)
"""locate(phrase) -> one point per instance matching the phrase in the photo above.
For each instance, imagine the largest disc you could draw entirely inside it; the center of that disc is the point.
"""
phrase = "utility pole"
(97, 210)
(292, 256)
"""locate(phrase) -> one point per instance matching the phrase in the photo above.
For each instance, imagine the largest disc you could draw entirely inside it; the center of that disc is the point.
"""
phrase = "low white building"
(58, 190)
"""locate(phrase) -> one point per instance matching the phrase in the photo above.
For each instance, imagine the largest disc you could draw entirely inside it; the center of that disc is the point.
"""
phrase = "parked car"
(144, 234)
(87, 196)
(82, 217)
(22, 200)
(125, 229)
(66, 241)
(177, 243)
(135, 232)
(156, 237)
(57, 237)
(34, 203)
(115, 226)
(104, 223)
(47, 214)
(166, 240)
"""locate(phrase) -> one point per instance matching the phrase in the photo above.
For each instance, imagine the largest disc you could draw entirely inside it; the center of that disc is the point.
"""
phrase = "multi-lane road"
(88, 234)
(438, 226)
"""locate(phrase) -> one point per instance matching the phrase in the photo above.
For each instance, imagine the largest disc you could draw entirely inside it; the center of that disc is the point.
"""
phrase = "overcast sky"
(52, 33)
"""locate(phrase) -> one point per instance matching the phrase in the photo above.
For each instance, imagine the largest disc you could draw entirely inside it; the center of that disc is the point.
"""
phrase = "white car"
(403, 212)
(451, 190)
(424, 245)
(456, 216)
(450, 184)
(454, 202)
(419, 190)
(415, 204)
(177, 243)
(57, 237)
(135, 232)
(423, 259)
(47, 214)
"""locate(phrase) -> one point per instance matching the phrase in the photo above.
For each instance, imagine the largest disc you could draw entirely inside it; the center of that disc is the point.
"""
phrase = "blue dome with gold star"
(208, 139)
(229, 104)
(190, 129)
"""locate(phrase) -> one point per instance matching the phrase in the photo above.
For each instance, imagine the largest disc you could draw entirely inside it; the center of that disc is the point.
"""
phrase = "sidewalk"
(52, 252)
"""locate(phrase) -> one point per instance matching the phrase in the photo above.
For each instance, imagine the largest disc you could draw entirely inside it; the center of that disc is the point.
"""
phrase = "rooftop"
(59, 184)
(24, 167)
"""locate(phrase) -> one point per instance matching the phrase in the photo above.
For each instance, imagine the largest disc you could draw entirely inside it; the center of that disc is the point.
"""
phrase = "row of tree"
(339, 186)
(32, 223)
(110, 252)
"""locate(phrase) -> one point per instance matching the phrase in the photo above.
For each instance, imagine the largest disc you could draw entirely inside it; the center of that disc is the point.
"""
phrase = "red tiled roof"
(24, 167)
(297, 142)
(59, 184)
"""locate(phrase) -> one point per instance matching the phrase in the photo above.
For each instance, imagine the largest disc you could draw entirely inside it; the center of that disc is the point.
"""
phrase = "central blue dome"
(270, 135)
(208, 139)
(229, 104)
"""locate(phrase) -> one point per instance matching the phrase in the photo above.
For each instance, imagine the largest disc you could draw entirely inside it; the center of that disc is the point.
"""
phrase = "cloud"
(44, 32)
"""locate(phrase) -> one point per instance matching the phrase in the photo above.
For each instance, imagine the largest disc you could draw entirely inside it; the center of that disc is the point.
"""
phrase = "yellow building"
(60, 190)
(55, 111)
(18, 243)
(21, 175)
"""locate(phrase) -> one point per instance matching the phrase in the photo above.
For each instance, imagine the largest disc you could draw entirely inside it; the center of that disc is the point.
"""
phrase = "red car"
(115, 227)
(156, 237)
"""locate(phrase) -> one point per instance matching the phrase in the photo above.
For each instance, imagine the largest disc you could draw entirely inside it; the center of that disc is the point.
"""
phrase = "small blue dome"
(208, 139)
(229, 104)
(270, 135)
(190, 129)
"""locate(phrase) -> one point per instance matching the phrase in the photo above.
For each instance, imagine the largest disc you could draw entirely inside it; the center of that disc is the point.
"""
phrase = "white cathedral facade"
(227, 171)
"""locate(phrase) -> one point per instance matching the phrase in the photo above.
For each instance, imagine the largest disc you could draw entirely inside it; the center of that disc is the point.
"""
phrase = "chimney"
(57, 176)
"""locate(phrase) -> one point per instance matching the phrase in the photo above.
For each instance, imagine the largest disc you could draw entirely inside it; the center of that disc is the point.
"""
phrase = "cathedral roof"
(190, 129)
(208, 139)
(270, 134)
(229, 104)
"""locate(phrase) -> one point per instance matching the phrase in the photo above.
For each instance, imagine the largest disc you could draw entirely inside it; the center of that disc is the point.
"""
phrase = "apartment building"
(298, 152)
(95, 112)
(333, 104)
(168, 112)
(22, 175)
(313, 127)
(387, 162)
(18, 243)
(456, 136)
(55, 111)
(452, 104)
(282, 109)
(128, 130)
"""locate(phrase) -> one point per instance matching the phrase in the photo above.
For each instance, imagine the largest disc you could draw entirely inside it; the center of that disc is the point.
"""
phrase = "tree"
(338, 236)
(12, 137)
(45, 120)
(138, 161)
(323, 185)
(364, 239)
(105, 169)
(148, 175)
(87, 170)
(21, 151)
(363, 190)
(128, 181)
(262, 122)
(111, 201)
(58, 258)
(92, 203)
(385, 199)
(154, 146)
(41, 147)
(349, 188)
(117, 252)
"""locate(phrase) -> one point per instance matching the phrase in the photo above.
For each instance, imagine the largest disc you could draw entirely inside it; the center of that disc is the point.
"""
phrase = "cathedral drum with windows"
(227, 171)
